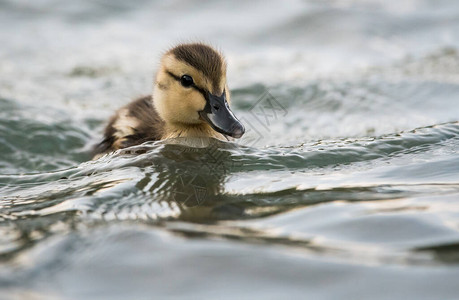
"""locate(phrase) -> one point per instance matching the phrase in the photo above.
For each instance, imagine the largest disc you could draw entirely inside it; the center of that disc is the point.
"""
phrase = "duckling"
(190, 99)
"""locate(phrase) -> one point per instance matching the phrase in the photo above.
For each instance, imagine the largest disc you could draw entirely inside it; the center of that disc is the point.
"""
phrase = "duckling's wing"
(133, 124)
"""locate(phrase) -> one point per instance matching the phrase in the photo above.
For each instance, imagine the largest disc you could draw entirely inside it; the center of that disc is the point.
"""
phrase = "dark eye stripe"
(173, 75)
(201, 90)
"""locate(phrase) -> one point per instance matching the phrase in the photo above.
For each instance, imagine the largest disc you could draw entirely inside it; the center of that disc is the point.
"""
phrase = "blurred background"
(78, 62)
(350, 192)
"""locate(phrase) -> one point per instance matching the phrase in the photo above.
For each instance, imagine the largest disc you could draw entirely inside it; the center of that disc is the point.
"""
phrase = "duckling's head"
(190, 90)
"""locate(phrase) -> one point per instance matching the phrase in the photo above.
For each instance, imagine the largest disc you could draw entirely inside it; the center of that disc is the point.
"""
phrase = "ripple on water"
(162, 182)
(34, 140)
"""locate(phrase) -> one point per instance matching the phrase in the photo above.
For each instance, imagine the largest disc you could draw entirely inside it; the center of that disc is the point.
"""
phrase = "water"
(346, 184)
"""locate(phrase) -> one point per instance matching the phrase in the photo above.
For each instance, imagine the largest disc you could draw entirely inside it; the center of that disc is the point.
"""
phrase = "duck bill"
(220, 117)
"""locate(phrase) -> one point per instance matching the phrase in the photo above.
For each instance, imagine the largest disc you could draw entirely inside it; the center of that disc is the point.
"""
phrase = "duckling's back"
(131, 125)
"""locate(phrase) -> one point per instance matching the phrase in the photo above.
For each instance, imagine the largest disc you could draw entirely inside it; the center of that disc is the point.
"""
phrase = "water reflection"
(443, 253)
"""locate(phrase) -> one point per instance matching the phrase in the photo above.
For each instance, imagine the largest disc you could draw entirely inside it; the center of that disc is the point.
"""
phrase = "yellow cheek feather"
(183, 104)
(175, 103)
(228, 95)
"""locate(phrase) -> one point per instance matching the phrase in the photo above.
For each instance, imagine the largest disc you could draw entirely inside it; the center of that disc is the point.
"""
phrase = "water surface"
(346, 184)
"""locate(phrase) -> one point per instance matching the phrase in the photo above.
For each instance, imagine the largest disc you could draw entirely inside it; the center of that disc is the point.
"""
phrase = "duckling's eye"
(186, 81)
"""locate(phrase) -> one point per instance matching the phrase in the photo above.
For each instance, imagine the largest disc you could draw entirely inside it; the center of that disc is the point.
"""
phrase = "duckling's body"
(190, 99)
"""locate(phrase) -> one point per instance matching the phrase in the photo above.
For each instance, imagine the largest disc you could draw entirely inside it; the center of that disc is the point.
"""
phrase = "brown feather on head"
(203, 58)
